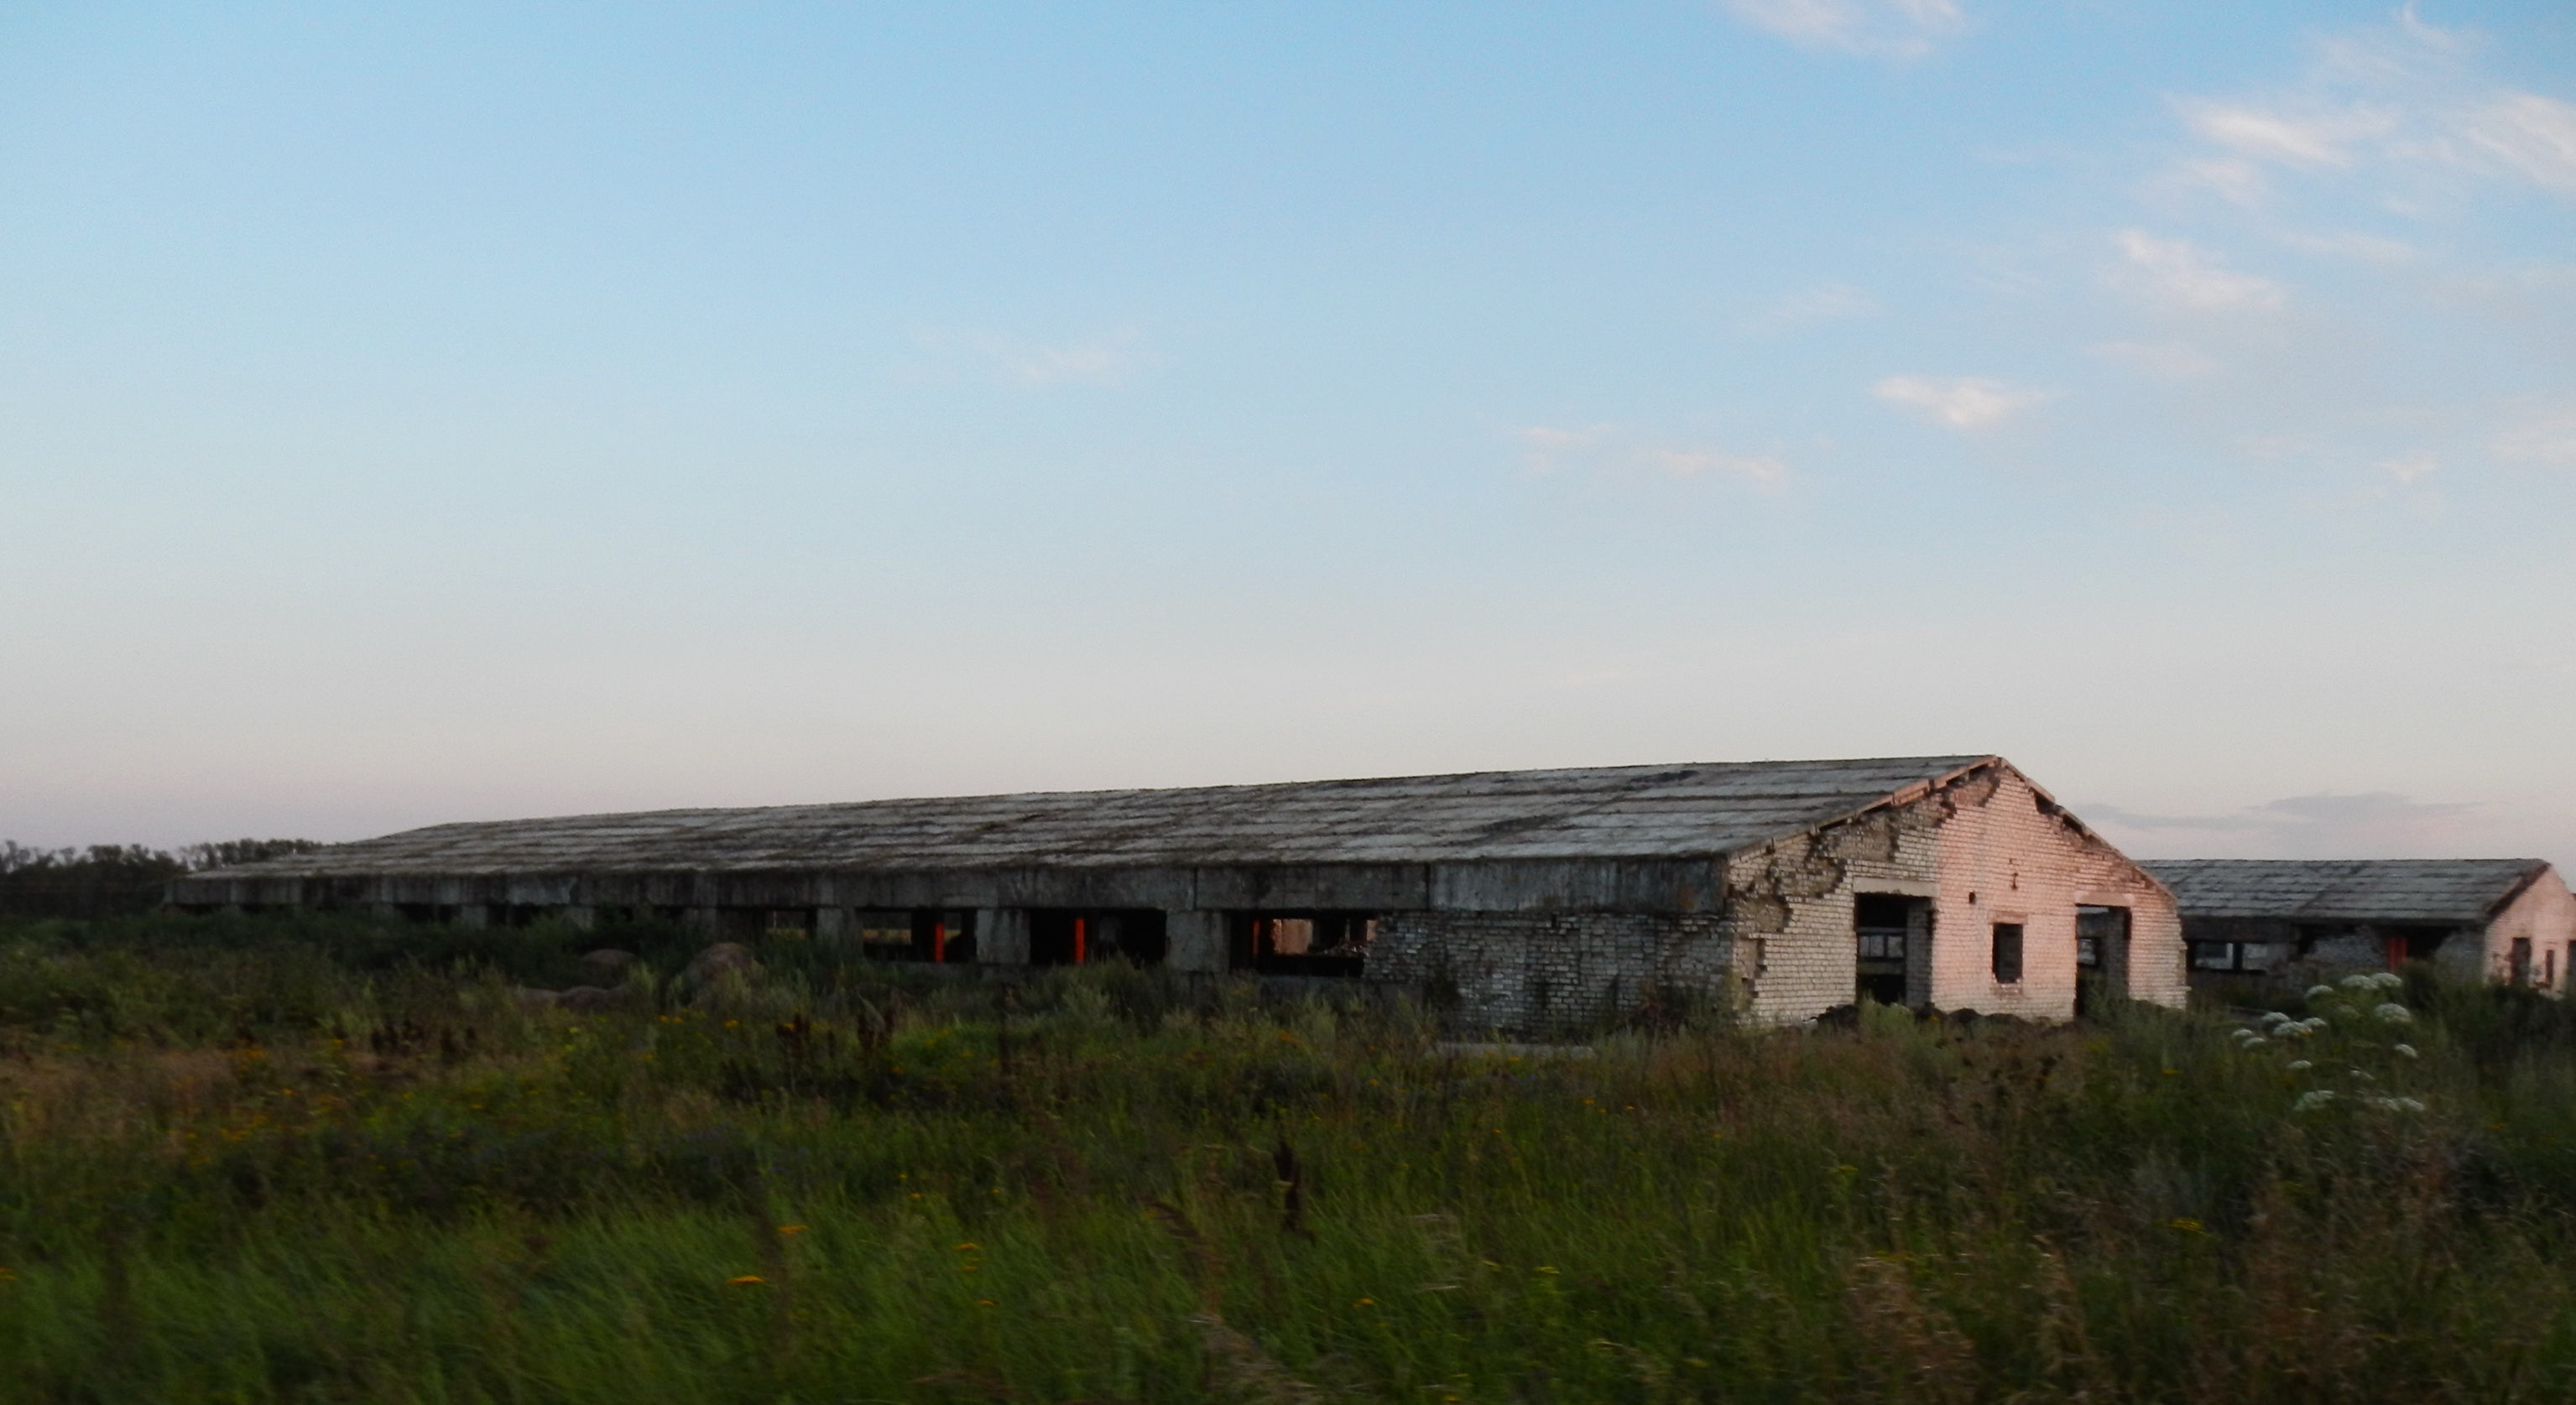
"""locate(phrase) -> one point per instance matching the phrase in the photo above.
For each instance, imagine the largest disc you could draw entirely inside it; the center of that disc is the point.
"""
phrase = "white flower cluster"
(2279, 1026)
(2360, 1002)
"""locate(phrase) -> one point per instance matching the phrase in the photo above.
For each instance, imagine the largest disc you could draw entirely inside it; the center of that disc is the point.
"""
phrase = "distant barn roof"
(1615, 812)
(2345, 890)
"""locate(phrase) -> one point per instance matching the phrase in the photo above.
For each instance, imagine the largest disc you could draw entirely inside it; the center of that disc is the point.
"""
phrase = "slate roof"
(1619, 812)
(2463, 891)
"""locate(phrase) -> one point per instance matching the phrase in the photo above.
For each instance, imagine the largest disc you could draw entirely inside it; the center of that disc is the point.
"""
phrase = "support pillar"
(1001, 936)
(1195, 941)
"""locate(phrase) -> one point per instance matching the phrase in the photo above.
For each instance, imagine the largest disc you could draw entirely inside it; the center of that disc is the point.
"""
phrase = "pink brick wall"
(1989, 848)
(2545, 915)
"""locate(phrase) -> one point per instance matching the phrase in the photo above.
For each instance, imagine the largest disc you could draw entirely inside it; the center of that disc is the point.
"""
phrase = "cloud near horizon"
(2376, 825)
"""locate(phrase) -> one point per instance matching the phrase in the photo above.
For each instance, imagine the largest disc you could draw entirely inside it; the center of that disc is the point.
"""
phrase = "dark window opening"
(2521, 959)
(789, 922)
(1880, 923)
(2254, 957)
(2008, 952)
(1302, 943)
(2412, 943)
(1079, 937)
(921, 934)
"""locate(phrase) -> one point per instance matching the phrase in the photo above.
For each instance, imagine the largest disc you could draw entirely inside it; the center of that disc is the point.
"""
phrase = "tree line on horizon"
(115, 880)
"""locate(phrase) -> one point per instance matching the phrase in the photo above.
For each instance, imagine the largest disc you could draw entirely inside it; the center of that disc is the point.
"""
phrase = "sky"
(414, 413)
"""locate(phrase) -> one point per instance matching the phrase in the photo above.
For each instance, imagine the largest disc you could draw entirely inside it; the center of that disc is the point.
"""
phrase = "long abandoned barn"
(1531, 899)
(2252, 922)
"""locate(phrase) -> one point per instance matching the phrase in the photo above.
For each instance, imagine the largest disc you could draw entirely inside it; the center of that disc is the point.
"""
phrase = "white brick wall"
(1990, 848)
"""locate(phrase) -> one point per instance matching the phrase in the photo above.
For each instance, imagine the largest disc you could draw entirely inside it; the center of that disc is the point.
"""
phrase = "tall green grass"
(279, 1159)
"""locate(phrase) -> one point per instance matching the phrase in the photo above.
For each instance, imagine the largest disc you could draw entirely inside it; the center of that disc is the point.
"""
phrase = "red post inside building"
(1078, 934)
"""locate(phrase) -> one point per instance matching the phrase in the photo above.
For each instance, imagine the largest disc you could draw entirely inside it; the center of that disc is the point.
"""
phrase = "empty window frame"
(2007, 949)
(2521, 961)
(2224, 956)
(1303, 943)
(1087, 937)
(929, 935)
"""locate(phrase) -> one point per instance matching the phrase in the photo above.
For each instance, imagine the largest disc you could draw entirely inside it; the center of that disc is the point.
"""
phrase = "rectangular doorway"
(1891, 939)
(2101, 957)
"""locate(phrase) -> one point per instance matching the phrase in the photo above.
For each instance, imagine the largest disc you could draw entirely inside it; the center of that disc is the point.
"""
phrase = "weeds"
(314, 1159)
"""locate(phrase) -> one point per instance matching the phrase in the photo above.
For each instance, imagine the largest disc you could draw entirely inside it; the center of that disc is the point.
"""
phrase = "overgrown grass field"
(275, 1159)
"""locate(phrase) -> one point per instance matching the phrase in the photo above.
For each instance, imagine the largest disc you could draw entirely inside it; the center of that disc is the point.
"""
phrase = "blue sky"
(435, 412)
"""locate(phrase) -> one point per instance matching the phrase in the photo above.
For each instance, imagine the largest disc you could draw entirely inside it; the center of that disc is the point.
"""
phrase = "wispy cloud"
(2177, 273)
(1959, 402)
(2315, 140)
(2393, 102)
(2530, 135)
(2546, 435)
(1109, 358)
(1893, 29)
(2376, 825)
(2171, 360)
(2369, 248)
(1616, 452)
(1826, 302)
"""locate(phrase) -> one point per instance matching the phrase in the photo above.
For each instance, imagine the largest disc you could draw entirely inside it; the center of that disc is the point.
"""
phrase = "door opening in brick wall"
(1075, 937)
(2521, 961)
(1887, 933)
(2007, 952)
(2101, 957)
(1302, 943)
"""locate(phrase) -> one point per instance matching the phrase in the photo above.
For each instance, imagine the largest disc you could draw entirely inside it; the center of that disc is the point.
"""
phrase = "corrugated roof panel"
(1595, 813)
(2344, 890)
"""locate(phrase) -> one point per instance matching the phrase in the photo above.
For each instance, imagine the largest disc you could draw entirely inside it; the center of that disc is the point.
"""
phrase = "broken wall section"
(1789, 905)
(1545, 972)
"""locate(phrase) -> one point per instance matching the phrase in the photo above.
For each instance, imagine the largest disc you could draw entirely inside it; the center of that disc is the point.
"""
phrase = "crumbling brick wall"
(1789, 904)
(1538, 972)
(1988, 848)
